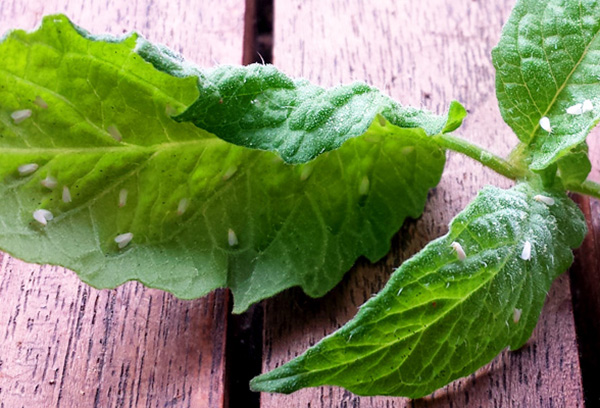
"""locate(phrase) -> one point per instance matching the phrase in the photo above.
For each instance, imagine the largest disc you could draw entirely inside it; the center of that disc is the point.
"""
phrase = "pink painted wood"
(64, 344)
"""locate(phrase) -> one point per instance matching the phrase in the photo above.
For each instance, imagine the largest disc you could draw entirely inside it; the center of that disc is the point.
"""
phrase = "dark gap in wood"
(245, 332)
(244, 357)
(258, 32)
(585, 290)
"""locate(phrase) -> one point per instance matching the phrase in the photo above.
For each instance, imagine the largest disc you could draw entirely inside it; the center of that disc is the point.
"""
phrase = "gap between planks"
(245, 331)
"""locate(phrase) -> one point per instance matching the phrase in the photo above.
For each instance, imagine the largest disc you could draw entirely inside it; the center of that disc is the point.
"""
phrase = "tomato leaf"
(439, 317)
(208, 205)
(548, 65)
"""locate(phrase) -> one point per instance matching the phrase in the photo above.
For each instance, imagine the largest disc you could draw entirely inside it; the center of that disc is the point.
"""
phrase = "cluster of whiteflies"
(525, 252)
(42, 216)
(577, 109)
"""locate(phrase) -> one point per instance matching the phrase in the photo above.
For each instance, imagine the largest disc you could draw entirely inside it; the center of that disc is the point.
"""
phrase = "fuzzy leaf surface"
(548, 60)
(440, 318)
(212, 205)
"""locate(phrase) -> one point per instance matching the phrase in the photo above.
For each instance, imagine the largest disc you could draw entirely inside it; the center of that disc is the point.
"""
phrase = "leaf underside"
(279, 184)
(440, 318)
(548, 60)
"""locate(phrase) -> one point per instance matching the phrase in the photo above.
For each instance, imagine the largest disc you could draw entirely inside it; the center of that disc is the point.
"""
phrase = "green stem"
(498, 164)
(588, 187)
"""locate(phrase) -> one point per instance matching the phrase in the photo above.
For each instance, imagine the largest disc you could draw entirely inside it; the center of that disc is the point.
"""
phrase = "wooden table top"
(64, 344)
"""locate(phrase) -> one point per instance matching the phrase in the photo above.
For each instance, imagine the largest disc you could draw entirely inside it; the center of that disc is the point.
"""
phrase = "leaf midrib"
(156, 148)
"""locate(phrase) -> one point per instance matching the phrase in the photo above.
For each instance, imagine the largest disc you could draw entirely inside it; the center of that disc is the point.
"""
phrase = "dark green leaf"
(440, 318)
(547, 61)
(260, 107)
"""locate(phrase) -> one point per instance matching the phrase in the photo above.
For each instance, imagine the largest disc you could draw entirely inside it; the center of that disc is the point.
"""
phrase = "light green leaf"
(456, 114)
(440, 318)
(547, 61)
(205, 211)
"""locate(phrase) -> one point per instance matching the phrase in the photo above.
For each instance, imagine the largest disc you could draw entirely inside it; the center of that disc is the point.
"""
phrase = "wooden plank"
(63, 344)
(585, 284)
(423, 54)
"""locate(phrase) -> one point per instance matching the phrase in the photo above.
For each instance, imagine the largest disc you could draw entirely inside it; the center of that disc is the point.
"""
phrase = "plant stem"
(498, 164)
(588, 187)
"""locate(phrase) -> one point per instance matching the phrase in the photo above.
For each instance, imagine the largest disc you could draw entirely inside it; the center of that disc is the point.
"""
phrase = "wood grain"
(585, 284)
(63, 344)
(423, 54)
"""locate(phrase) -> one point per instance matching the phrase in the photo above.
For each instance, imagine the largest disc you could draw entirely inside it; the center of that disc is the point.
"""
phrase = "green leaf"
(440, 318)
(547, 61)
(574, 168)
(456, 114)
(206, 210)
(260, 107)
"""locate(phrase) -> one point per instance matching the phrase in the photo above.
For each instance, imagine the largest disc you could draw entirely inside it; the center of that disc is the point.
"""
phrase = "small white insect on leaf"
(170, 110)
(544, 199)
(306, 171)
(575, 109)
(49, 182)
(27, 169)
(545, 124)
(517, 315)
(232, 238)
(363, 188)
(230, 172)
(399, 291)
(114, 133)
(124, 239)
(183, 206)
(42, 216)
(460, 253)
(20, 115)
(40, 102)
(588, 106)
(123, 197)
(66, 195)
(407, 150)
(526, 252)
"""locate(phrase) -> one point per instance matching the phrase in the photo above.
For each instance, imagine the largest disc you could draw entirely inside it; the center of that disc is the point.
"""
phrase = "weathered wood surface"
(585, 284)
(424, 54)
(63, 344)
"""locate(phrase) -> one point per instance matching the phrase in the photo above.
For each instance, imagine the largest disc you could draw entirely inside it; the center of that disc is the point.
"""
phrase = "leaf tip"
(456, 114)
(273, 382)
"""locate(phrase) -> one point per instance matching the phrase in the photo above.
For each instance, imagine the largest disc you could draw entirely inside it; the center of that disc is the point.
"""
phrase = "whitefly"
(544, 199)
(20, 115)
(123, 240)
(545, 124)
(42, 216)
(232, 239)
(27, 169)
(526, 252)
(460, 252)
